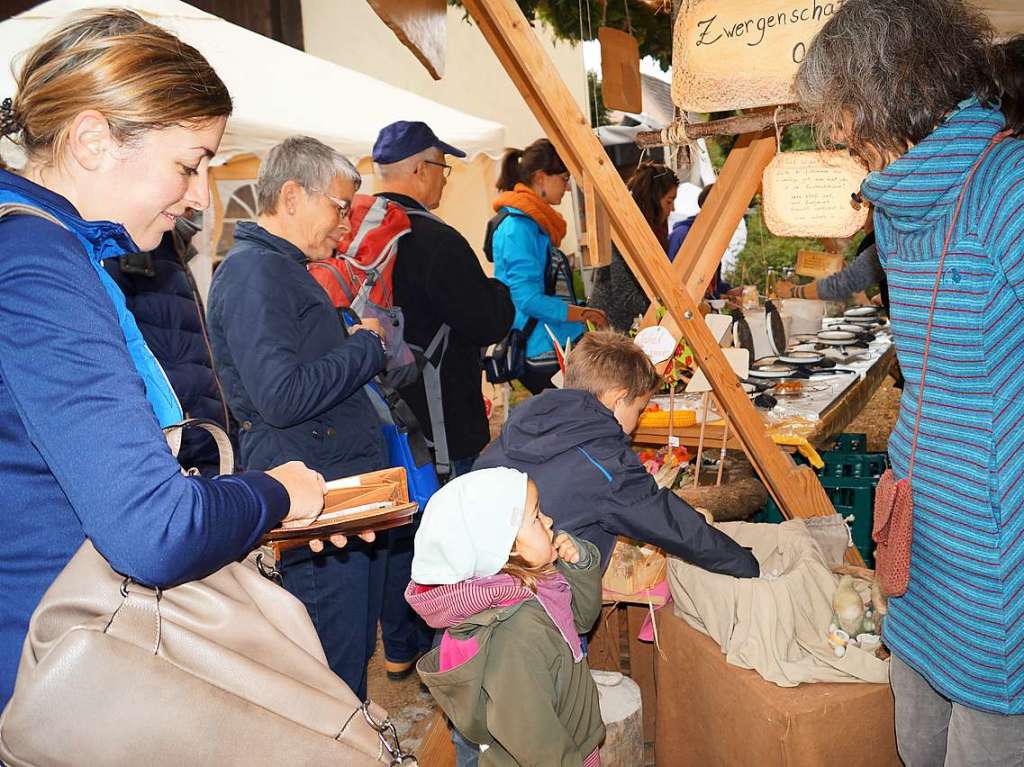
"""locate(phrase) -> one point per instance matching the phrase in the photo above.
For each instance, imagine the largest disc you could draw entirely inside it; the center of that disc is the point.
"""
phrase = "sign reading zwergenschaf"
(736, 54)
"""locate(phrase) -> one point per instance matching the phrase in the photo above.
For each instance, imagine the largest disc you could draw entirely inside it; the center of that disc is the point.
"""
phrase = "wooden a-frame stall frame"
(677, 286)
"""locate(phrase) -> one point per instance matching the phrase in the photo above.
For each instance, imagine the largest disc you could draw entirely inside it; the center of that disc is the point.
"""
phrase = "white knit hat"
(469, 527)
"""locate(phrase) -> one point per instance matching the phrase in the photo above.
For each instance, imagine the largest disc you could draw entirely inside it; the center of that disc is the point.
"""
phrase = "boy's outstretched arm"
(641, 511)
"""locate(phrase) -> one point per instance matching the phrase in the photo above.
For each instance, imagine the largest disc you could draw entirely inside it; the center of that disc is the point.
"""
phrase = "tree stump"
(622, 712)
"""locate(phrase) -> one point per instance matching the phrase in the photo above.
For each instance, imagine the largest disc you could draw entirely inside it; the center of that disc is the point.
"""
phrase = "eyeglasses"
(447, 168)
(344, 207)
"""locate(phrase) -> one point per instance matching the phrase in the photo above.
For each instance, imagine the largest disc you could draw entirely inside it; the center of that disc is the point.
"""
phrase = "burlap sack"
(775, 624)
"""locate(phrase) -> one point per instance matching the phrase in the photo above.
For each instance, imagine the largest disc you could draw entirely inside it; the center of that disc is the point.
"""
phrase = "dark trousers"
(403, 632)
(343, 590)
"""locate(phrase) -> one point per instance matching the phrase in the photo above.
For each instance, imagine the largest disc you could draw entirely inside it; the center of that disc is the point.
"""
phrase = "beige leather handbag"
(227, 670)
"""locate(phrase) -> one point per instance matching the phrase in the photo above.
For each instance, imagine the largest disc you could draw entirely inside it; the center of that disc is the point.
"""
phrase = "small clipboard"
(375, 501)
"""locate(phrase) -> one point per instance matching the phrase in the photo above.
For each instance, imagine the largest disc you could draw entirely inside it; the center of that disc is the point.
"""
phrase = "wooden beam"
(680, 132)
(599, 236)
(510, 36)
(708, 238)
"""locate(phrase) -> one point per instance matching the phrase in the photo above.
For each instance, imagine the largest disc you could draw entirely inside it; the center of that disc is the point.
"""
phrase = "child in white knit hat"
(513, 598)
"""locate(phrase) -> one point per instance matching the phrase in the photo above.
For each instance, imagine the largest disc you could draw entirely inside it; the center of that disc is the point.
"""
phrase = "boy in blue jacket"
(574, 444)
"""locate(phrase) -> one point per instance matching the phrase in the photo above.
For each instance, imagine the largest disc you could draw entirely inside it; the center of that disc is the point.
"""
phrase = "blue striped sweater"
(961, 622)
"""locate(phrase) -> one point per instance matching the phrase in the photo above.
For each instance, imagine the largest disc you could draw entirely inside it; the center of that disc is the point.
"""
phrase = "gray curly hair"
(882, 74)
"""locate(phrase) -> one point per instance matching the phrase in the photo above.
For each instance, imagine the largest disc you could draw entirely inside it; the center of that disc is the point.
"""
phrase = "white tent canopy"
(278, 91)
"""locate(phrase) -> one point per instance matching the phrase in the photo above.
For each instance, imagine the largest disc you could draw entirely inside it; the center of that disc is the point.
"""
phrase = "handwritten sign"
(807, 194)
(735, 54)
(813, 263)
(620, 70)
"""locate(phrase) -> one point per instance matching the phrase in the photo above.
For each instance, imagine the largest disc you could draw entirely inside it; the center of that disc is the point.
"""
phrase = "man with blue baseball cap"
(403, 139)
(452, 310)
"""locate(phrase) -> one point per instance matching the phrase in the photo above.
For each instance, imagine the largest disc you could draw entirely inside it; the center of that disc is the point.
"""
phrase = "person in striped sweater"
(908, 87)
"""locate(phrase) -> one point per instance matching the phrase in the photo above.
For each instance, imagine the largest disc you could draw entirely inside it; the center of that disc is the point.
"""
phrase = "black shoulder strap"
(492, 227)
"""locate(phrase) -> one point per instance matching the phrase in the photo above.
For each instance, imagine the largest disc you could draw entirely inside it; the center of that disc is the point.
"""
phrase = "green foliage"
(595, 93)
(653, 31)
(765, 251)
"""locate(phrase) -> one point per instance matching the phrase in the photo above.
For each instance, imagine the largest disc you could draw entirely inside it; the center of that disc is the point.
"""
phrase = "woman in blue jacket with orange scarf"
(525, 244)
(119, 120)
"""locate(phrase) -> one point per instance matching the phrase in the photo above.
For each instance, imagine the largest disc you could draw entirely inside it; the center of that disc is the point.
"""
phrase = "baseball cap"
(403, 139)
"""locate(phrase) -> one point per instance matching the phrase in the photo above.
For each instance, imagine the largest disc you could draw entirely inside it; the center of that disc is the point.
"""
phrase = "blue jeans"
(343, 590)
(462, 466)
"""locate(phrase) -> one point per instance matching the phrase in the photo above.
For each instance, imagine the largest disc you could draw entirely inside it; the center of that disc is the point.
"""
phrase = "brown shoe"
(399, 671)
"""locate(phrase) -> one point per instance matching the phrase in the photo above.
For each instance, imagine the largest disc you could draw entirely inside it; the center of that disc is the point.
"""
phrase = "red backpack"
(359, 277)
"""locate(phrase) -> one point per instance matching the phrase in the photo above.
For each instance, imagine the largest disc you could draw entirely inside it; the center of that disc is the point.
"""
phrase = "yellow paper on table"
(805, 448)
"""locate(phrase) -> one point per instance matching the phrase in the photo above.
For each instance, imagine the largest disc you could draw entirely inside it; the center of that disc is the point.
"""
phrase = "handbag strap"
(226, 454)
(935, 292)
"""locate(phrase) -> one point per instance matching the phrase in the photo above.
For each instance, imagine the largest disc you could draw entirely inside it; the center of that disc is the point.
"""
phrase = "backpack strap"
(434, 356)
(424, 214)
(492, 227)
(21, 209)
(336, 273)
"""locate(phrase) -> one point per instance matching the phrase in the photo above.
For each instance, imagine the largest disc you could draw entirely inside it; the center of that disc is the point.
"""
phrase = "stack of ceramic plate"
(865, 317)
(801, 357)
(838, 338)
(861, 312)
(771, 367)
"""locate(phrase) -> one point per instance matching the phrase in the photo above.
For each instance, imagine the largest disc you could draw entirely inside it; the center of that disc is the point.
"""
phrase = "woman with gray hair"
(294, 377)
(907, 86)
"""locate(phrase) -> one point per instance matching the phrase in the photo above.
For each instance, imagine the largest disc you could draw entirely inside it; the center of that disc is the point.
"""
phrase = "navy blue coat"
(169, 315)
(81, 452)
(593, 485)
(293, 378)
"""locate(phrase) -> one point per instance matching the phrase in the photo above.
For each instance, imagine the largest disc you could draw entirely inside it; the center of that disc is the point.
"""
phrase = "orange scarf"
(529, 202)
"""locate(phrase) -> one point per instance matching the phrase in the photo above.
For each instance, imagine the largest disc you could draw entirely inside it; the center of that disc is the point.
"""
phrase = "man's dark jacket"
(160, 294)
(593, 485)
(437, 280)
(292, 377)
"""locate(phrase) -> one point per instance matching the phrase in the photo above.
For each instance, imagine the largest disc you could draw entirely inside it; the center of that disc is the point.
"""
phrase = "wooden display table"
(711, 713)
(847, 406)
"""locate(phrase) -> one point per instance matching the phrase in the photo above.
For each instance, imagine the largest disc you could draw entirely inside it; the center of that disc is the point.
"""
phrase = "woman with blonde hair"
(118, 120)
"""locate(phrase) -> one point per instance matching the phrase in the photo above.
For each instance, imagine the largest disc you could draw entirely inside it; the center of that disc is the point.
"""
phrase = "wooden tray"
(374, 501)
